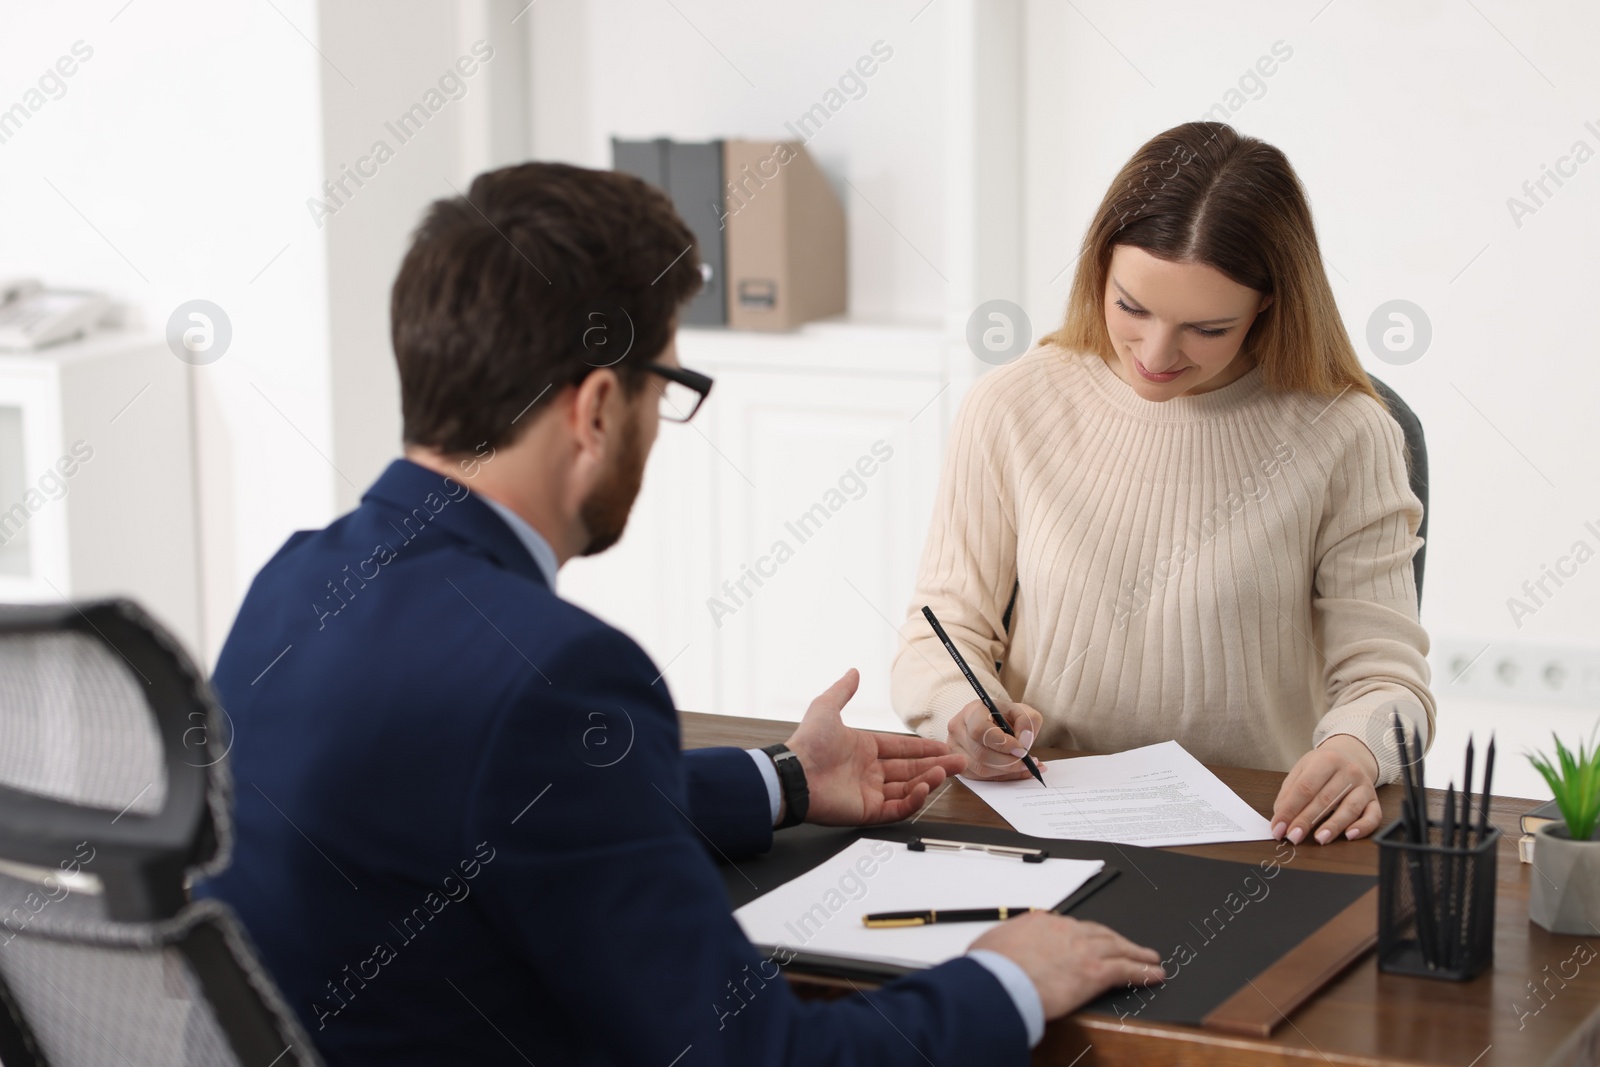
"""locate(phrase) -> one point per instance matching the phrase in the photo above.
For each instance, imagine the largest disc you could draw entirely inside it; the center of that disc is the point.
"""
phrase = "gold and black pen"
(884, 919)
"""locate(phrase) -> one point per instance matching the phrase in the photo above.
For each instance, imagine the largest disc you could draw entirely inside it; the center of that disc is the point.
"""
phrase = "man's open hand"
(858, 778)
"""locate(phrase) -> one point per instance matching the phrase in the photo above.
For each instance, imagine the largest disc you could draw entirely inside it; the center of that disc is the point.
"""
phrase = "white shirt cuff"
(769, 774)
(1021, 988)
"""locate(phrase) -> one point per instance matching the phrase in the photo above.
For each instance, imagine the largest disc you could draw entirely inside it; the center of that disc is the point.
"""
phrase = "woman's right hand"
(992, 754)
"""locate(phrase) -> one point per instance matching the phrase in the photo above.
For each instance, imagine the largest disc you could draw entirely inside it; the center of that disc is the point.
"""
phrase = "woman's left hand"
(1333, 784)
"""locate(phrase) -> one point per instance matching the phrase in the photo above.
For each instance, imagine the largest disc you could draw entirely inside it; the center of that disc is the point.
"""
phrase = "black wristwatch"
(792, 776)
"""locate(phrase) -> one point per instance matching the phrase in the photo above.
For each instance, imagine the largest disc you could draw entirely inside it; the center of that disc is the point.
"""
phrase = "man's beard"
(605, 511)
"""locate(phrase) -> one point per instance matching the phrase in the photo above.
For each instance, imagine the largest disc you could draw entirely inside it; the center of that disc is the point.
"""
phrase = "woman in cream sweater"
(1200, 501)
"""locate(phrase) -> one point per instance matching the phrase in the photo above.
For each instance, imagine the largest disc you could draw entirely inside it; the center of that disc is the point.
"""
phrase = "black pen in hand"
(983, 695)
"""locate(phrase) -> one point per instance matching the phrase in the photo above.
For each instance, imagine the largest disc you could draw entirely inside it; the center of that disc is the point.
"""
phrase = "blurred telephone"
(32, 316)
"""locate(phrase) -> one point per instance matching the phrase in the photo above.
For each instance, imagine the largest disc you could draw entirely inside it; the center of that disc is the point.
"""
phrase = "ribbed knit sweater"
(1231, 570)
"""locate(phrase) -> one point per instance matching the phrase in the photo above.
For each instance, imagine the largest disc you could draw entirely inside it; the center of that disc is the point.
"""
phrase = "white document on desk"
(821, 910)
(1154, 796)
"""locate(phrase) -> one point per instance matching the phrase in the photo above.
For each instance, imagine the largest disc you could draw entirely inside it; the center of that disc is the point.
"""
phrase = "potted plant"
(1566, 857)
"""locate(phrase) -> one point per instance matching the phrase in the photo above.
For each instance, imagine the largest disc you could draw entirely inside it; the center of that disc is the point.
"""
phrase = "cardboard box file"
(771, 230)
(785, 237)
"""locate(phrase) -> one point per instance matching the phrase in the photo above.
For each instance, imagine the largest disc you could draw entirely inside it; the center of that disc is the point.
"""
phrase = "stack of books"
(1543, 815)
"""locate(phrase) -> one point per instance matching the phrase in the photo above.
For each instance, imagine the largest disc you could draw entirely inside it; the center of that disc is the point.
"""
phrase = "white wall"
(173, 167)
(390, 57)
(192, 140)
(1410, 126)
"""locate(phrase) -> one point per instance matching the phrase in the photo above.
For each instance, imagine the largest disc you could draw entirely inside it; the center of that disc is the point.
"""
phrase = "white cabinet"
(776, 540)
(97, 478)
(928, 169)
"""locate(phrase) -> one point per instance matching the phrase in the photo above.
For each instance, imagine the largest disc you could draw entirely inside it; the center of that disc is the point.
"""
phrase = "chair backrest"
(1416, 466)
(114, 790)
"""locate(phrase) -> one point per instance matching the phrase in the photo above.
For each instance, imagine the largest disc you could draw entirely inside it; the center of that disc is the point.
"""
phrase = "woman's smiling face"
(1176, 327)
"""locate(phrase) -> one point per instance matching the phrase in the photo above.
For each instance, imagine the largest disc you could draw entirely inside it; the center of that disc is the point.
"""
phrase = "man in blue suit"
(465, 828)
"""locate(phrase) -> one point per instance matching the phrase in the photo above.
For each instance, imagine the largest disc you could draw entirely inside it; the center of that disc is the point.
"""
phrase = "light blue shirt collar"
(531, 539)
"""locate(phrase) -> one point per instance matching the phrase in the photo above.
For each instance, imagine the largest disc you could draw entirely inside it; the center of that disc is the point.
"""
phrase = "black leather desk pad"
(1217, 924)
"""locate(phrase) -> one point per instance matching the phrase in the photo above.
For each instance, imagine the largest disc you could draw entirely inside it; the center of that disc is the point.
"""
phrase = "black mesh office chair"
(1416, 468)
(113, 789)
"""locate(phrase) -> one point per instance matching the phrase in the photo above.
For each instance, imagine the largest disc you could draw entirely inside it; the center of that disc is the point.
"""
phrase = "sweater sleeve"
(966, 575)
(1364, 600)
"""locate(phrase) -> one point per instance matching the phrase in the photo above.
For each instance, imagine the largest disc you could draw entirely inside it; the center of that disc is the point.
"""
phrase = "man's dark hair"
(540, 274)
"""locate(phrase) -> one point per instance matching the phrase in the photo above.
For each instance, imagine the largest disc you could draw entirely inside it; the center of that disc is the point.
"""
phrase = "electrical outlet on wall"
(1555, 674)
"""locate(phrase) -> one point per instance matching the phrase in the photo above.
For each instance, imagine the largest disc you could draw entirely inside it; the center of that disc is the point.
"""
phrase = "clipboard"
(1312, 926)
(818, 965)
(826, 910)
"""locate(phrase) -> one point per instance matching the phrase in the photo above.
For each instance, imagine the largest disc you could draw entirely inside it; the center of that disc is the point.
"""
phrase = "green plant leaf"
(1574, 779)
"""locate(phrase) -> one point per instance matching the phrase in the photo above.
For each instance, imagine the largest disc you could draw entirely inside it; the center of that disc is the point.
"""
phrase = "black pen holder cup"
(1435, 904)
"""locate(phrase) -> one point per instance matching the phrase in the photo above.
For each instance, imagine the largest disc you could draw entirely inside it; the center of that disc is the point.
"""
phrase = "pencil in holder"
(1435, 903)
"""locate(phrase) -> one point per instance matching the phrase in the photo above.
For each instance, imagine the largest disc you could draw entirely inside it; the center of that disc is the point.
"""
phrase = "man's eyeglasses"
(683, 391)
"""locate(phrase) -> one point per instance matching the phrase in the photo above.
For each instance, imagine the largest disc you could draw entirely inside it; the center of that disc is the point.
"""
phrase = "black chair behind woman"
(1416, 468)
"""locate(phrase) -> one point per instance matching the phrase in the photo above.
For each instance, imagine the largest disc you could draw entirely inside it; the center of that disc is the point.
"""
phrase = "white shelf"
(97, 485)
(832, 346)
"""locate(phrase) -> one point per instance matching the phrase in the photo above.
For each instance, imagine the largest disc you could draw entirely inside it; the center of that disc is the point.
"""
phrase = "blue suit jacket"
(466, 832)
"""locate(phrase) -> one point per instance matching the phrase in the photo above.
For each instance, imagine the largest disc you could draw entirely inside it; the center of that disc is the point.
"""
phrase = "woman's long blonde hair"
(1203, 193)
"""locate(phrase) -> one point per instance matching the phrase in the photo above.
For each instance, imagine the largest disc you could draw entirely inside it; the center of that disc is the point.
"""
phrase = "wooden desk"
(1363, 1017)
